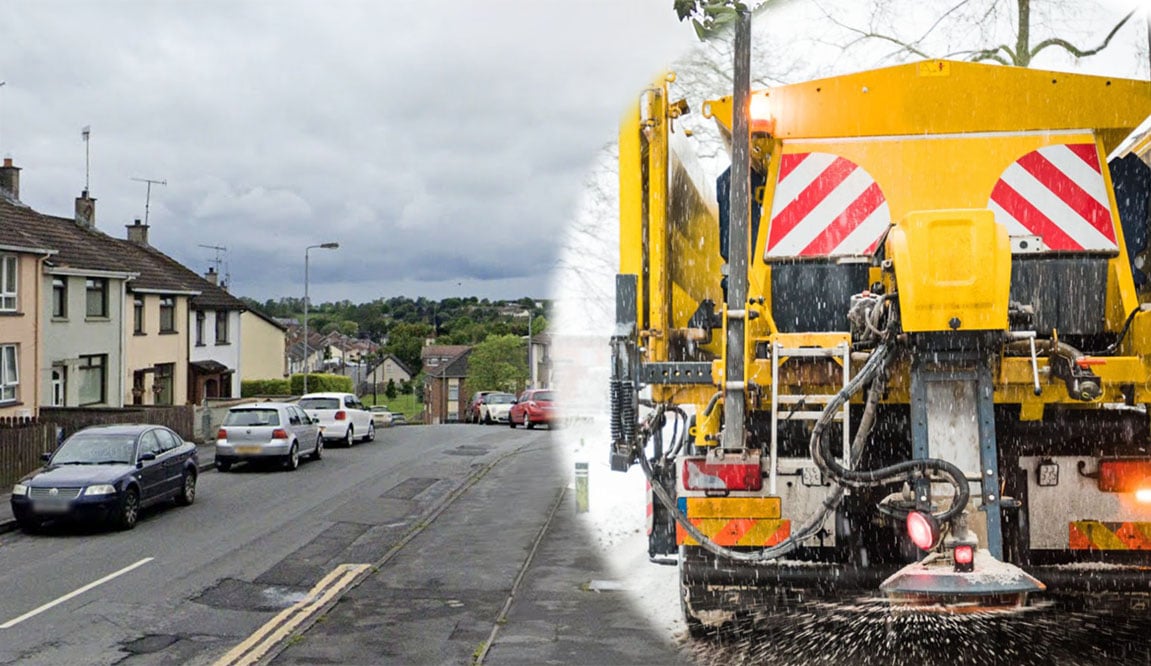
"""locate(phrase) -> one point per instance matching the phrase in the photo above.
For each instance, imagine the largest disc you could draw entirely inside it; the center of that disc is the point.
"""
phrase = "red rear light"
(1124, 476)
(221, 434)
(964, 558)
(341, 415)
(699, 474)
(279, 433)
(923, 530)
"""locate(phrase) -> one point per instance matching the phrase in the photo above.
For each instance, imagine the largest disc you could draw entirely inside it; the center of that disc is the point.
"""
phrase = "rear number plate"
(246, 450)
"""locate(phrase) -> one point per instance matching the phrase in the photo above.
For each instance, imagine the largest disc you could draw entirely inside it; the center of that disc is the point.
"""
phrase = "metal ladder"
(807, 345)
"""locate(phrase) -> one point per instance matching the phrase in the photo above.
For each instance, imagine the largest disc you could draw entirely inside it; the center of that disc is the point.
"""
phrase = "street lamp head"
(330, 246)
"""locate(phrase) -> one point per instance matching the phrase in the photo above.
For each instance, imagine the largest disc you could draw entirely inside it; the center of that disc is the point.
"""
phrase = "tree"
(1005, 31)
(499, 363)
(391, 390)
(406, 340)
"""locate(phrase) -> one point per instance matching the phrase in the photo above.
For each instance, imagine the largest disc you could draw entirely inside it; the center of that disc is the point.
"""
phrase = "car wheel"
(292, 462)
(511, 422)
(129, 511)
(488, 418)
(528, 422)
(318, 453)
(223, 465)
(350, 437)
(188, 491)
(371, 433)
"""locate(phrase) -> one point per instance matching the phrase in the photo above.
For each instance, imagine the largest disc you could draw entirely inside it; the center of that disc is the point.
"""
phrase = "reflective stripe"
(1096, 535)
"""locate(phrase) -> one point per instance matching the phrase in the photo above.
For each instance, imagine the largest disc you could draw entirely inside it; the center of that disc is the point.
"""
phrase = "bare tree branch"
(1075, 51)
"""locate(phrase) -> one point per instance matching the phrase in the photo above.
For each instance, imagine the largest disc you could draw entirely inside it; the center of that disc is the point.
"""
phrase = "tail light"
(699, 474)
(341, 415)
(221, 434)
(1124, 476)
(1143, 495)
(964, 556)
(923, 529)
(279, 433)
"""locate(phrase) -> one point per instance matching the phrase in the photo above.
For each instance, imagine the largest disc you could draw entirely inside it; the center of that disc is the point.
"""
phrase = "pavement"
(206, 453)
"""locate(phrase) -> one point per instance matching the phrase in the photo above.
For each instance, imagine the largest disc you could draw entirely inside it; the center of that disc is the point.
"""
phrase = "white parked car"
(381, 416)
(494, 407)
(342, 416)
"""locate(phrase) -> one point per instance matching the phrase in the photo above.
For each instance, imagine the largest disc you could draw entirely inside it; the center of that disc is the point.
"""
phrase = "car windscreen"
(499, 398)
(545, 396)
(252, 417)
(96, 448)
(320, 403)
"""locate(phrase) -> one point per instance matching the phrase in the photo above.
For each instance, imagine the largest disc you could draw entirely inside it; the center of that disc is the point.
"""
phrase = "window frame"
(138, 316)
(9, 386)
(98, 286)
(9, 283)
(222, 324)
(59, 297)
(168, 303)
(86, 364)
(200, 317)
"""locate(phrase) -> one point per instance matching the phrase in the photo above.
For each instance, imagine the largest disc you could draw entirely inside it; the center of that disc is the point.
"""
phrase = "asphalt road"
(437, 539)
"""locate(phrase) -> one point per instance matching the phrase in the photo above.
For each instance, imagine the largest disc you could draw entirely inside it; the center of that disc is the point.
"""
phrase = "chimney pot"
(10, 179)
(85, 210)
(212, 276)
(138, 233)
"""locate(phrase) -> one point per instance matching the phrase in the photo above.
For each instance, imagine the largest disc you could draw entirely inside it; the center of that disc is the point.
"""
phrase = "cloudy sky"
(441, 143)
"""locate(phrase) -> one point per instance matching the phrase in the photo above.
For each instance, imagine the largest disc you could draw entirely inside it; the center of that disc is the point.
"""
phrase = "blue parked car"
(108, 473)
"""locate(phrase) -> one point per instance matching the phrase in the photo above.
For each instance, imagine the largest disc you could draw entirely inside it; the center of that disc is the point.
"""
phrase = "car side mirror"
(145, 457)
(46, 457)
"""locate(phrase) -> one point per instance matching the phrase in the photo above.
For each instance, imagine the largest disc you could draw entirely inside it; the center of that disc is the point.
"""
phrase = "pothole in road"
(408, 489)
(150, 643)
(232, 594)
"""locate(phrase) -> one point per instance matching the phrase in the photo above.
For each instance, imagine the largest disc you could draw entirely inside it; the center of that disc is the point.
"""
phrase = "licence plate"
(50, 507)
(248, 450)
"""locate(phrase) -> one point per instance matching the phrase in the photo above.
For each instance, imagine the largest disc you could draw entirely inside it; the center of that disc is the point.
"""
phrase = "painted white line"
(51, 604)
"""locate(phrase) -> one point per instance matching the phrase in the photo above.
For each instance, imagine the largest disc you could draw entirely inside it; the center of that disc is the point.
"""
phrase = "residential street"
(449, 516)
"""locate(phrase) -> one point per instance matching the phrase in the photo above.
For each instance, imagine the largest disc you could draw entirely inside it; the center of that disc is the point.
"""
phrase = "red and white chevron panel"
(825, 205)
(1057, 193)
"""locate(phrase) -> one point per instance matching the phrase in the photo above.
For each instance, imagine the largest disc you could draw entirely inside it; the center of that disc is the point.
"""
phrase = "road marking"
(51, 604)
(279, 628)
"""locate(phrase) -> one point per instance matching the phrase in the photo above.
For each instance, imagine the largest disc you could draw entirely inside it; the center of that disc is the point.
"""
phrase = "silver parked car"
(268, 431)
(343, 417)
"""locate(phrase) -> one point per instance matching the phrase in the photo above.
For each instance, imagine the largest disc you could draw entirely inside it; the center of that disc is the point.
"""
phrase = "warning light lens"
(1143, 495)
(1124, 476)
(964, 558)
(698, 474)
(923, 529)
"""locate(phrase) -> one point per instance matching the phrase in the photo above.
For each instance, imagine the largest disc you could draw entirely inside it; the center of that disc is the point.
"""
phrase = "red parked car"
(532, 407)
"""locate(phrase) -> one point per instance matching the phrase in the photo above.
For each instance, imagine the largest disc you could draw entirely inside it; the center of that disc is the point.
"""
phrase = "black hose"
(1114, 346)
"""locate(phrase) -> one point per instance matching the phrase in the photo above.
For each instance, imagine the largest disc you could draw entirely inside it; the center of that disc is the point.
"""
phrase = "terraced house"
(98, 321)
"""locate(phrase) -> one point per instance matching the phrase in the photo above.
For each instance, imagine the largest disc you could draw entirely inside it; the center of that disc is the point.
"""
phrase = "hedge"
(321, 382)
(250, 388)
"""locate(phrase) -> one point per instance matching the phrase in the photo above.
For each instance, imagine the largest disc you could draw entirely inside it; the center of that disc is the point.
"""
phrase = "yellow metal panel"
(962, 97)
(738, 531)
(733, 507)
(952, 269)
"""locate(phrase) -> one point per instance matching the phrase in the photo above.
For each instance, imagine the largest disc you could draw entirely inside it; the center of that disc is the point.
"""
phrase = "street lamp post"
(324, 246)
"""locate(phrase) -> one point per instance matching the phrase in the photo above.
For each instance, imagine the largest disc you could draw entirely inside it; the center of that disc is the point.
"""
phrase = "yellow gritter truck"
(945, 352)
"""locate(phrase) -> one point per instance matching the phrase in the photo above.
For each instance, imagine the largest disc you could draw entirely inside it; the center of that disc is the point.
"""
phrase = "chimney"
(85, 210)
(10, 179)
(138, 233)
(212, 276)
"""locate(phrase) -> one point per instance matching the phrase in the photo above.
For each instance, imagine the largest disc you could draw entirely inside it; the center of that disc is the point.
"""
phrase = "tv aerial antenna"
(225, 277)
(148, 196)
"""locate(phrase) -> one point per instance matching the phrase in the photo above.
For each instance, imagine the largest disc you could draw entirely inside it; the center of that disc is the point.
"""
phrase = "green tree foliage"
(709, 16)
(391, 391)
(499, 363)
(405, 341)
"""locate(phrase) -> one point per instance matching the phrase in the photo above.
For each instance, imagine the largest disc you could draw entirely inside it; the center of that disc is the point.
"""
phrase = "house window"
(167, 314)
(199, 328)
(138, 317)
(60, 298)
(162, 383)
(97, 297)
(9, 374)
(221, 327)
(7, 283)
(91, 376)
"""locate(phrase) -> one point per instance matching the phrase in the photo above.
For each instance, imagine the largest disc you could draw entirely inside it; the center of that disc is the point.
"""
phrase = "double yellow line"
(281, 627)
